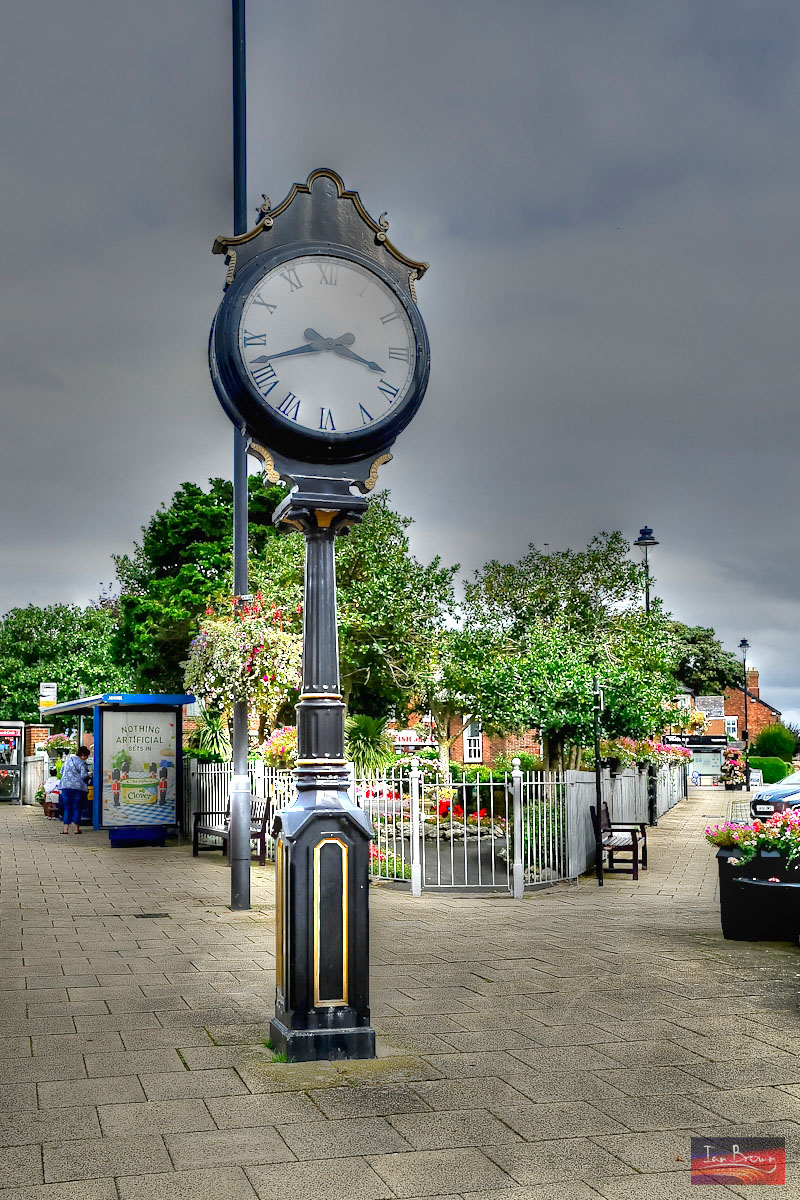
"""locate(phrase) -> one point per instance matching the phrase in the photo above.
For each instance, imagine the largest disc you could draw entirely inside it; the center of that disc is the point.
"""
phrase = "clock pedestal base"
(323, 838)
(314, 1045)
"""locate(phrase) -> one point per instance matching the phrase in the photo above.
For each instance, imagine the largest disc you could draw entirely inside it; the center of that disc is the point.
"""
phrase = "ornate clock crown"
(322, 206)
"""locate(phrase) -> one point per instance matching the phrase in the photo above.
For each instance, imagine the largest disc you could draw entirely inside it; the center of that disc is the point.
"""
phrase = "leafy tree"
(573, 589)
(390, 605)
(448, 679)
(183, 561)
(703, 666)
(776, 741)
(795, 729)
(556, 620)
(63, 644)
(549, 685)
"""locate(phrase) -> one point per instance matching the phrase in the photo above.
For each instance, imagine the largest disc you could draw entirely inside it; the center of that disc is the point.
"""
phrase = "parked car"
(776, 797)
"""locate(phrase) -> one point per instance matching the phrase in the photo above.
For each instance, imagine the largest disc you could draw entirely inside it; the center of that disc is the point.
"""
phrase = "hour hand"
(307, 349)
(346, 352)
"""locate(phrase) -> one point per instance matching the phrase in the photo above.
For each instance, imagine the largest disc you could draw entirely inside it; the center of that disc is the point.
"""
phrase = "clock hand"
(308, 349)
(344, 352)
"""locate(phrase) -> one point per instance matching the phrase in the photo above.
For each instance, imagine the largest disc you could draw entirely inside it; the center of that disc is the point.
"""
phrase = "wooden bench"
(620, 839)
(216, 824)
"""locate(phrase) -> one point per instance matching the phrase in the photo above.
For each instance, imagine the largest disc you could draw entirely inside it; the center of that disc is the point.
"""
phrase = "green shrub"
(773, 769)
(527, 762)
(776, 741)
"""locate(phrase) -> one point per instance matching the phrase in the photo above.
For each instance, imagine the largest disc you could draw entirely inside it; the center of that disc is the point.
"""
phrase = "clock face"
(327, 345)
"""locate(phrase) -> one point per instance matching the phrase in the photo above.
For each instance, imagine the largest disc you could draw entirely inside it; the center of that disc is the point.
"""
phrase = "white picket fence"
(526, 830)
(626, 795)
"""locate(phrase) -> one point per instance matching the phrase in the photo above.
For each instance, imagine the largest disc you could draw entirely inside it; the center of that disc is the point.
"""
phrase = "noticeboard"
(139, 761)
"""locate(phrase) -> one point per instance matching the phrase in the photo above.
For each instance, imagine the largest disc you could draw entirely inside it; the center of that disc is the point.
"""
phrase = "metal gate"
(507, 833)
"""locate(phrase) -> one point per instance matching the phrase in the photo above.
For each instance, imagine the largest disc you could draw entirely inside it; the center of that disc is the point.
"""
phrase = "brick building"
(475, 746)
(759, 713)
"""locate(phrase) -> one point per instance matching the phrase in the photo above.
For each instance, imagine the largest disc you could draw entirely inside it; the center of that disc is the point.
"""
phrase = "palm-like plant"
(367, 744)
(211, 737)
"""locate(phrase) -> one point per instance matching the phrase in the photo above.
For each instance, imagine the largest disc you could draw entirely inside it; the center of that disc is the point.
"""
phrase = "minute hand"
(346, 352)
(307, 349)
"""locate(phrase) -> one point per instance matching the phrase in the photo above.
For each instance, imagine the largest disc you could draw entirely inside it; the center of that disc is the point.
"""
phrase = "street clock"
(318, 351)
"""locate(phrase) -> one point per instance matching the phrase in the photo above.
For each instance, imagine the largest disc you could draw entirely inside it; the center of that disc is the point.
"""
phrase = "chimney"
(752, 681)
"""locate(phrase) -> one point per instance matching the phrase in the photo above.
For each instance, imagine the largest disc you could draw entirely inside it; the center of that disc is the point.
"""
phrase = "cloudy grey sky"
(607, 193)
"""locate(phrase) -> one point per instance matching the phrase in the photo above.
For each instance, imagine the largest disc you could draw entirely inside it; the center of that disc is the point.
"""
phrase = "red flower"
(444, 808)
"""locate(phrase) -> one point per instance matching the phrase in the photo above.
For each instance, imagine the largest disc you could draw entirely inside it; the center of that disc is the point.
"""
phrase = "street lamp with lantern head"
(744, 646)
(644, 541)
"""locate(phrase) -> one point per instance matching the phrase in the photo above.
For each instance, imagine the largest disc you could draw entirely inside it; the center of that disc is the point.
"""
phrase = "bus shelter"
(137, 767)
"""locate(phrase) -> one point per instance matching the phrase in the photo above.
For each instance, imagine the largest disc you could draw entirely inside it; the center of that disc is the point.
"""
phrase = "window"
(732, 727)
(473, 742)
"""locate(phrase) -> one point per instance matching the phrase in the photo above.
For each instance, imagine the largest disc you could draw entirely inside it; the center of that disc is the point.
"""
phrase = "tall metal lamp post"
(644, 541)
(744, 646)
(597, 708)
(239, 829)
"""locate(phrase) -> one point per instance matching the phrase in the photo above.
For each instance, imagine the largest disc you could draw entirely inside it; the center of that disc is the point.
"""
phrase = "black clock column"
(322, 850)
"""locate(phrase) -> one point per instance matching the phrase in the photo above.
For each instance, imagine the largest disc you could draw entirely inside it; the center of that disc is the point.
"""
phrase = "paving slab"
(155, 1117)
(78, 1092)
(430, 1172)
(444, 1130)
(82, 1189)
(270, 1108)
(342, 1138)
(21, 1165)
(339, 1179)
(221, 1183)
(229, 1146)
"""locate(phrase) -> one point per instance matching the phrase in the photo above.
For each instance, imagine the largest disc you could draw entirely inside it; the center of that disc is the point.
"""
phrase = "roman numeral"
(392, 316)
(328, 273)
(364, 413)
(400, 352)
(364, 288)
(292, 278)
(290, 407)
(326, 419)
(387, 389)
(270, 307)
(258, 339)
(265, 378)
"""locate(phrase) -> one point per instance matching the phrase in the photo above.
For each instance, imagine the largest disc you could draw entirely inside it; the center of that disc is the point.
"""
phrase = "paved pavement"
(564, 1046)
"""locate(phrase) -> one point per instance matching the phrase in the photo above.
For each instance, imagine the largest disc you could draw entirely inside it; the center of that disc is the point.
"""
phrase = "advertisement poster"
(48, 695)
(138, 768)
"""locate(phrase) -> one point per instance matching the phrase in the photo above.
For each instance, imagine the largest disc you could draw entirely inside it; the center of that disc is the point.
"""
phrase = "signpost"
(318, 352)
(48, 695)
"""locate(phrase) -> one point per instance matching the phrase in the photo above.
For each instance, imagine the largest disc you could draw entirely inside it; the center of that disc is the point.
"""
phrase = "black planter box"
(752, 909)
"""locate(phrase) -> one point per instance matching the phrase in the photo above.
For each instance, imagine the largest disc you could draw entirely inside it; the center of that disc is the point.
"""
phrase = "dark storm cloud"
(607, 194)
